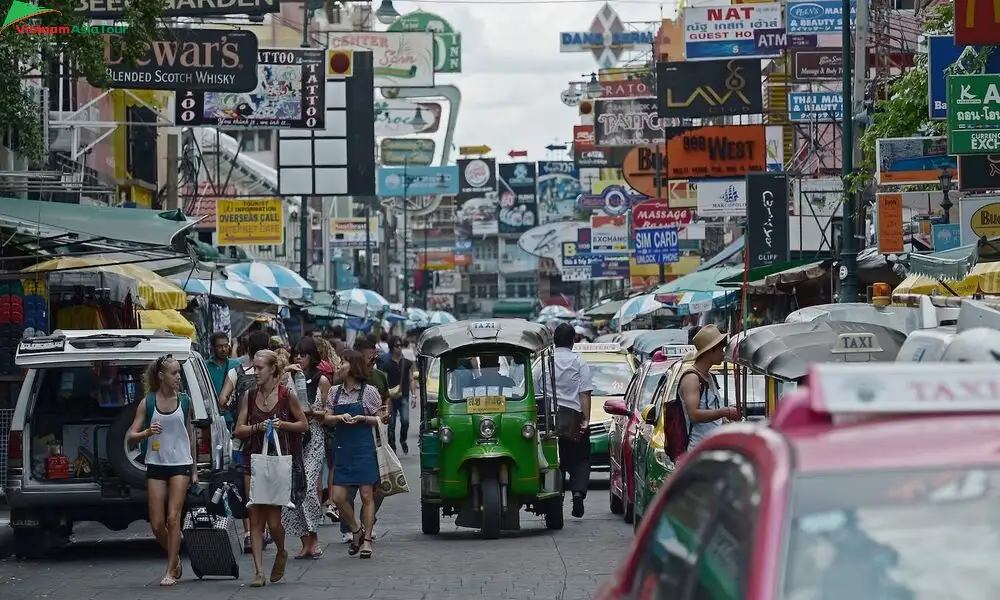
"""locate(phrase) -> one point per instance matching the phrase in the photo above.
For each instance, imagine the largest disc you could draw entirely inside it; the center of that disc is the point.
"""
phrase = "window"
(609, 378)
(645, 396)
(486, 374)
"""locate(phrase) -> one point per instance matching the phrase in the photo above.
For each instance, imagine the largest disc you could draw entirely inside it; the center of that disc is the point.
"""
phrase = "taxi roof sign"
(484, 329)
(904, 388)
(602, 347)
(677, 349)
(856, 343)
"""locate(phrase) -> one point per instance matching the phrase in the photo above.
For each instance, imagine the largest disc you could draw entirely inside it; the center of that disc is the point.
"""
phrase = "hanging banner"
(709, 89)
(889, 215)
(715, 32)
(477, 200)
(913, 160)
(767, 239)
(250, 222)
(290, 94)
(608, 234)
(558, 189)
(518, 201)
(722, 197)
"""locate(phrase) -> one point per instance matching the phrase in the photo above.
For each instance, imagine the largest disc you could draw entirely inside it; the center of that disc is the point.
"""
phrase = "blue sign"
(416, 181)
(942, 53)
(575, 254)
(463, 246)
(612, 266)
(815, 107)
(947, 237)
(818, 16)
(614, 200)
(657, 246)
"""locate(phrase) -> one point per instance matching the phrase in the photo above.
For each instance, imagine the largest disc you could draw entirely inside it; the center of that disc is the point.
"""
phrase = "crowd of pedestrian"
(322, 402)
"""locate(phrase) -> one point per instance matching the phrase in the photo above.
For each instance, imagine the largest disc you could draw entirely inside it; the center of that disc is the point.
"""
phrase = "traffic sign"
(657, 246)
(973, 114)
(474, 150)
(517, 153)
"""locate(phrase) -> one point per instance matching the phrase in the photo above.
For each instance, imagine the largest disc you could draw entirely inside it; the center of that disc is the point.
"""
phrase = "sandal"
(167, 581)
(278, 570)
(367, 552)
(247, 546)
(355, 546)
(179, 571)
(258, 580)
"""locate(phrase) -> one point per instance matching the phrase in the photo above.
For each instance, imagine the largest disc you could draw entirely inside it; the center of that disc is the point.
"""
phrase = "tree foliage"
(905, 111)
(28, 55)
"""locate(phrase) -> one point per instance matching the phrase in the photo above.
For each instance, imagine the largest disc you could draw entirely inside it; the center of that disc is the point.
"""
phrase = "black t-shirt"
(398, 373)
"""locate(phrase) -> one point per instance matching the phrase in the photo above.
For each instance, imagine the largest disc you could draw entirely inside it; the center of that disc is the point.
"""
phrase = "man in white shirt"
(573, 388)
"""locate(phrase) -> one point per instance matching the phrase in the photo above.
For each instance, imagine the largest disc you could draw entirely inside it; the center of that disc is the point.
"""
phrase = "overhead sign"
(402, 117)
(518, 200)
(711, 89)
(608, 234)
(447, 41)
(973, 114)
(715, 151)
(558, 189)
(979, 172)
(657, 246)
(400, 59)
(980, 217)
(587, 154)
(722, 198)
(767, 240)
(417, 181)
(195, 59)
(818, 65)
(889, 215)
(474, 150)
(627, 122)
(352, 233)
(637, 86)
(913, 160)
(477, 202)
(945, 57)
(290, 94)
(115, 9)
(770, 40)
(977, 22)
(818, 16)
(714, 32)
(613, 200)
(815, 107)
(657, 214)
(396, 152)
(250, 222)
(607, 38)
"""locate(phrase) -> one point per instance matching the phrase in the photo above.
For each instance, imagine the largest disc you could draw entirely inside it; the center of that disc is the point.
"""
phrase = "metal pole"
(848, 253)
(304, 201)
(658, 163)
(406, 231)
(368, 243)
(426, 276)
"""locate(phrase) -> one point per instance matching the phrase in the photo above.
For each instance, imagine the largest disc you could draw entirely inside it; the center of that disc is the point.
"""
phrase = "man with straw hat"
(703, 405)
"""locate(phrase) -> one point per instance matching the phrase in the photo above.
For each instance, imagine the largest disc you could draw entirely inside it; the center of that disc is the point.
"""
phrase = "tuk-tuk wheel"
(430, 518)
(492, 512)
(554, 514)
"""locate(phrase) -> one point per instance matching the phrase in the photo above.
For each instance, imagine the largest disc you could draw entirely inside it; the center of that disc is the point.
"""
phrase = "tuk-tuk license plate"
(486, 404)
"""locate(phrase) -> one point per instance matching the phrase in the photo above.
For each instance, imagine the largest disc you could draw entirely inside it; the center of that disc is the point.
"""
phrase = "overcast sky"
(513, 71)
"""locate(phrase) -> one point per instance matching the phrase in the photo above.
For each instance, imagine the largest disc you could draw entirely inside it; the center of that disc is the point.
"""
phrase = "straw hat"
(707, 339)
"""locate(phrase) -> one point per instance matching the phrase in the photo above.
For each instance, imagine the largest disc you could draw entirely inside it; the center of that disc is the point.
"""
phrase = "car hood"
(597, 413)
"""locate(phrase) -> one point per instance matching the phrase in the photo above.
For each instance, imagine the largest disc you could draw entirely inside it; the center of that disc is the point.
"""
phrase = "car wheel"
(554, 518)
(614, 501)
(29, 544)
(125, 460)
(430, 518)
(492, 511)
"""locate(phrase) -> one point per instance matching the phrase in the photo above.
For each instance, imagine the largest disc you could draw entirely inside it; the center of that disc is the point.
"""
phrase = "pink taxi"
(872, 482)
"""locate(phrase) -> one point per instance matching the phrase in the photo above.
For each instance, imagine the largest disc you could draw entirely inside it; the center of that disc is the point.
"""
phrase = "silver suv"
(68, 460)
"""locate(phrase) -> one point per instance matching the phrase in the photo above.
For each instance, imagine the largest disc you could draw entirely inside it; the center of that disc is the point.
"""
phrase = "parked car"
(875, 481)
(626, 419)
(76, 406)
(611, 369)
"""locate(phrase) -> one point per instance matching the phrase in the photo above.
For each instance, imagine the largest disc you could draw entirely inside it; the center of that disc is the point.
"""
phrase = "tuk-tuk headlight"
(487, 428)
(445, 435)
(528, 431)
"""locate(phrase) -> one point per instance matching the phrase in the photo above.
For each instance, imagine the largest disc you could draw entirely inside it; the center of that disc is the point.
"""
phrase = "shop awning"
(725, 254)
(699, 281)
(156, 292)
(135, 226)
(791, 271)
(170, 320)
(515, 308)
(984, 278)
(604, 309)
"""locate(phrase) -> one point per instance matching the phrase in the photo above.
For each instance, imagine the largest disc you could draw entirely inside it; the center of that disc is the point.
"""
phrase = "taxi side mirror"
(616, 407)
(649, 415)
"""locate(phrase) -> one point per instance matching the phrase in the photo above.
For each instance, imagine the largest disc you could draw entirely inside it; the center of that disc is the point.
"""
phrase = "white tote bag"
(391, 479)
(271, 476)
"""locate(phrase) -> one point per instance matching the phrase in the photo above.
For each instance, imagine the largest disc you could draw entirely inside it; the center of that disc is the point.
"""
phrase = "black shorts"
(166, 472)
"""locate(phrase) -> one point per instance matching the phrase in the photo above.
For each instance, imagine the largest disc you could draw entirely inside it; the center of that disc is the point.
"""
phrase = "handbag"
(391, 478)
(271, 476)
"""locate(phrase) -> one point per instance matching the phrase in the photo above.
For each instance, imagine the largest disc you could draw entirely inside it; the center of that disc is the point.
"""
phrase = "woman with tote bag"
(271, 423)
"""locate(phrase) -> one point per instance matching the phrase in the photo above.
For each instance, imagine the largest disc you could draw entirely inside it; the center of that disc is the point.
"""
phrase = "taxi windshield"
(486, 374)
(886, 535)
(609, 378)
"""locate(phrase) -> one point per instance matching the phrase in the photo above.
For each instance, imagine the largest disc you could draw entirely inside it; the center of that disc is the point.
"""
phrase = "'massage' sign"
(211, 60)
(818, 65)
(109, 9)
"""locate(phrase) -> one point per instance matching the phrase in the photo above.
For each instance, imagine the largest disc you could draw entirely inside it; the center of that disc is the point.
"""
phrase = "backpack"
(185, 402)
(675, 424)
(245, 381)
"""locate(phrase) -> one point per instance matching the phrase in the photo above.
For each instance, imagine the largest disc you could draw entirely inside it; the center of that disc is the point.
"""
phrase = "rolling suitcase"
(212, 544)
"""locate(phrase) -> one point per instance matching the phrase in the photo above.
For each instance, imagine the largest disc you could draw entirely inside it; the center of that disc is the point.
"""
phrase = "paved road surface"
(456, 565)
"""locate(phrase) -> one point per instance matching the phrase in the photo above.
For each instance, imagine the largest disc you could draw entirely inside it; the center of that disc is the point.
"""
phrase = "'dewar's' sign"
(210, 60)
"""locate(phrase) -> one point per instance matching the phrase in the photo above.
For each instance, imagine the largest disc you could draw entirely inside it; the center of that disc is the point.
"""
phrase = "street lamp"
(418, 118)
(594, 87)
(945, 180)
(386, 13)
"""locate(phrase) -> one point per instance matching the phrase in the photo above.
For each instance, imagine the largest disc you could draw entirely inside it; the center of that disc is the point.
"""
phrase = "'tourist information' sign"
(973, 114)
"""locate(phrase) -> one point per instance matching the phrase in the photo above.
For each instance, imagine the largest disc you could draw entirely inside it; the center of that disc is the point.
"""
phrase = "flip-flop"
(278, 570)
(179, 571)
(167, 581)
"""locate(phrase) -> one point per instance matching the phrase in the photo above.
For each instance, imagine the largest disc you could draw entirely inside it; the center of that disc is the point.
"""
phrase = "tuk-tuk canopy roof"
(513, 332)
(785, 350)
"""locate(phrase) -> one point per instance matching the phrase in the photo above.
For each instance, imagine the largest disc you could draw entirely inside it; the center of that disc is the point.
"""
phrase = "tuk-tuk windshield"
(498, 374)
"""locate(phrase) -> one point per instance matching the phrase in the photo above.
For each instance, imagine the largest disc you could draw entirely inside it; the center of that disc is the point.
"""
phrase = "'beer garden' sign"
(973, 114)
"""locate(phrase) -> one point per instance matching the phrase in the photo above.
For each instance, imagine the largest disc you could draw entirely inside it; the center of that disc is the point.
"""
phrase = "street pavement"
(455, 565)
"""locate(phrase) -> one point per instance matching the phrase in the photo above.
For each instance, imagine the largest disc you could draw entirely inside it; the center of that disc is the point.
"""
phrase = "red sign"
(657, 213)
(977, 22)
(628, 88)
(517, 153)
(583, 137)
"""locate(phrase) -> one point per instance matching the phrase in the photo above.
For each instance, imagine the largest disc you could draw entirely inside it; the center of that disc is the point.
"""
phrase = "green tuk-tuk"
(488, 444)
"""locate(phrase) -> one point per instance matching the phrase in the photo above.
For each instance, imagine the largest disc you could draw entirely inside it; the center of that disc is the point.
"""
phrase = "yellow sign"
(253, 221)
(985, 222)
(470, 150)
(478, 405)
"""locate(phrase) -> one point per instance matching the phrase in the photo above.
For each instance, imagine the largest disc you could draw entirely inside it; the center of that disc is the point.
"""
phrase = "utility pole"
(304, 200)
(406, 233)
(173, 173)
(853, 102)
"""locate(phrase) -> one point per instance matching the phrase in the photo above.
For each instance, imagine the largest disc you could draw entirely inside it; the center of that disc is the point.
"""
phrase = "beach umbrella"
(281, 280)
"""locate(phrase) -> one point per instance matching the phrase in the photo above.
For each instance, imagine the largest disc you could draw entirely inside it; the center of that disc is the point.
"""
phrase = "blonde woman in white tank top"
(163, 426)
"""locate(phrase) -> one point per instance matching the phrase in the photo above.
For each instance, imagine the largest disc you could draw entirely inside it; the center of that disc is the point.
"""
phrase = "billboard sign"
(913, 160)
(402, 117)
(818, 65)
(657, 246)
(815, 107)
(417, 181)
(400, 59)
(818, 16)
(945, 57)
(518, 200)
(973, 114)
(606, 39)
(716, 32)
(714, 89)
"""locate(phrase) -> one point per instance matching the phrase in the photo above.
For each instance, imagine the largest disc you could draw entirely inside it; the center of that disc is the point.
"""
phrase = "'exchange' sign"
(973, 114)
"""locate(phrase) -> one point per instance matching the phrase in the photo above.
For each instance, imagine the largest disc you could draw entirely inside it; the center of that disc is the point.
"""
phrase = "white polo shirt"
(572, 379)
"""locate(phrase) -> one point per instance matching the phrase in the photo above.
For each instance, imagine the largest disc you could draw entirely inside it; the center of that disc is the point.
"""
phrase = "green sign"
(973, 114)
(447, 41)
